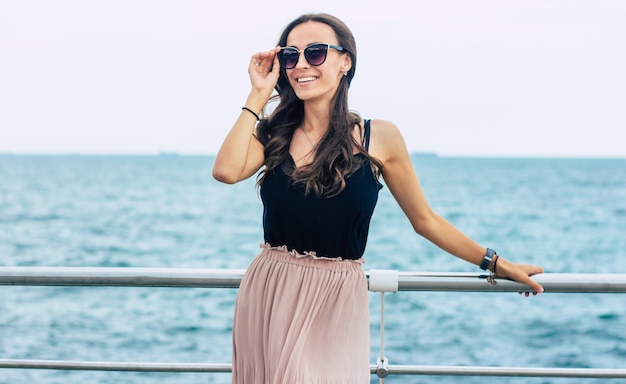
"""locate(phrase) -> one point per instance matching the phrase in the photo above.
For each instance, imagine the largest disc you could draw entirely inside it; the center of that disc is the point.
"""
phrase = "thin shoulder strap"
(367, 134)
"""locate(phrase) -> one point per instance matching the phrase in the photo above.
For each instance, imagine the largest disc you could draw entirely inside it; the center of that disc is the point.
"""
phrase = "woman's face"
(316, 83)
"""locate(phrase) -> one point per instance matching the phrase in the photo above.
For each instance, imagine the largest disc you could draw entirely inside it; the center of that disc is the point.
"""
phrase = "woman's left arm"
(387, 145)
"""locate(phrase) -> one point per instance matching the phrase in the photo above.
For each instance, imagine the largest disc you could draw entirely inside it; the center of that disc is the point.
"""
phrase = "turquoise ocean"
(568, 215)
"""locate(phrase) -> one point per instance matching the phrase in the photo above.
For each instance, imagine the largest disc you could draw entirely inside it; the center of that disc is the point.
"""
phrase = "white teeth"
(305, 79)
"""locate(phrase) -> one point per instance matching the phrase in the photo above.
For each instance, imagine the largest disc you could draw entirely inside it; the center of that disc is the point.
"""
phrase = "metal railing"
(230, 278)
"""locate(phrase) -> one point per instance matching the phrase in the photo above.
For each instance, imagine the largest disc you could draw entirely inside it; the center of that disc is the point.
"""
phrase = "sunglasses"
(315, 54)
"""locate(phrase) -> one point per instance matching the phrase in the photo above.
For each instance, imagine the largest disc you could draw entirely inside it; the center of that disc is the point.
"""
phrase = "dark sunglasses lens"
(288, 58)
(316, 54)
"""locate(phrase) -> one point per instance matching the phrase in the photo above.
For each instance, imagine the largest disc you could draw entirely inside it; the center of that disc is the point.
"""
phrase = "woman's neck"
(316, 119)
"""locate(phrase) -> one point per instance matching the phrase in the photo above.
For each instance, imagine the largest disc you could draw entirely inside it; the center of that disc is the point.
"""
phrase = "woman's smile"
(306, 79)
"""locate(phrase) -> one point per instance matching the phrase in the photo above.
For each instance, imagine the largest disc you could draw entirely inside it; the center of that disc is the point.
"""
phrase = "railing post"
(383, 280)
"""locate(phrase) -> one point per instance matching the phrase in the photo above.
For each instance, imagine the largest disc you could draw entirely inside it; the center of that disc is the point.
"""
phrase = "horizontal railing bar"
(393, 369)
(230, 278)
(552, 282)
(71, 365)
(506, 371)
(122, 277)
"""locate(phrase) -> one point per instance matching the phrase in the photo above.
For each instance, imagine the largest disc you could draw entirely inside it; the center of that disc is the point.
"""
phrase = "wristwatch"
(487, 259)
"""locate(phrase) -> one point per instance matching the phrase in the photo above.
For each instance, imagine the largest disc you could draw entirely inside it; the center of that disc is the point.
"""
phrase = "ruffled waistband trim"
(310, 254)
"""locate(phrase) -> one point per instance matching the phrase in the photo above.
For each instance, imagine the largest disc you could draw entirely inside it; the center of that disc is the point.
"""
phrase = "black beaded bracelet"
(252, 112)
(495, 265)
(491, 279)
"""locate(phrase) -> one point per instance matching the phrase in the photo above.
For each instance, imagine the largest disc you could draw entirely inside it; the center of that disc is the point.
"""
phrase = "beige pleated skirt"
(301, 319)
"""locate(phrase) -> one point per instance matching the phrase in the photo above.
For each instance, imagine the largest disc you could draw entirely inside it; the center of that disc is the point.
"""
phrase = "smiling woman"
(302, 308)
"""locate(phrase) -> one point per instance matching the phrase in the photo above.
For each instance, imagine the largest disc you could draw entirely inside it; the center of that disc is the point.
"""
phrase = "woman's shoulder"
(384, 131)
(385, 138)
(382, 125)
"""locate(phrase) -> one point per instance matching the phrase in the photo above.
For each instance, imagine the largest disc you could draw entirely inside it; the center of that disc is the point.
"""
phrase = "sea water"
(567, 215)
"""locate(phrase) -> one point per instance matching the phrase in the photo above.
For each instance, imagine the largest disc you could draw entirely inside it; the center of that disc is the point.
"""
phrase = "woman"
(302, 312)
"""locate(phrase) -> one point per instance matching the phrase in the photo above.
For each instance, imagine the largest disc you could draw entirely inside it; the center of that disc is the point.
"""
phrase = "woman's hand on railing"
(520, 273)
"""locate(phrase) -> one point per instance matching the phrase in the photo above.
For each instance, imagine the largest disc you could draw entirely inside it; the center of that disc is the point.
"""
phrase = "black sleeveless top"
(334, 227)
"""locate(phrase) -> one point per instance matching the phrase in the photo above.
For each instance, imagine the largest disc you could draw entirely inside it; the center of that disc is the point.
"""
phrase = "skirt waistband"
(309, 258)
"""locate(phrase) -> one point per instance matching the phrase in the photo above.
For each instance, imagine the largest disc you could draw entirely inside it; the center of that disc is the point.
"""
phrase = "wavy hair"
(334, 156)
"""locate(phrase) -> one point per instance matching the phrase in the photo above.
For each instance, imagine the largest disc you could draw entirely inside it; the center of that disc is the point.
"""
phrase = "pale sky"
(460, 78)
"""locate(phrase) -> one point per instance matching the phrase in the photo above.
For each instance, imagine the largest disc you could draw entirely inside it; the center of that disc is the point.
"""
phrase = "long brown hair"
(334, 158)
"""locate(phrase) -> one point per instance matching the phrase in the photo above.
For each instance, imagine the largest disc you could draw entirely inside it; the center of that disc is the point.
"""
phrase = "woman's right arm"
(241, 154)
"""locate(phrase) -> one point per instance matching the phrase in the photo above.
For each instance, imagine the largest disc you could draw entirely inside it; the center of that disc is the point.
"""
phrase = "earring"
(345, 73)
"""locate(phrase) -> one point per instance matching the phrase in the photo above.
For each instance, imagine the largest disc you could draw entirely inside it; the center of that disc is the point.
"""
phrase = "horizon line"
(430, 154)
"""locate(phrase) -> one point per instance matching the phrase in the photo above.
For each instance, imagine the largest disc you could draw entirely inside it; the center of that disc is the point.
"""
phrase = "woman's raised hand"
(264, 71)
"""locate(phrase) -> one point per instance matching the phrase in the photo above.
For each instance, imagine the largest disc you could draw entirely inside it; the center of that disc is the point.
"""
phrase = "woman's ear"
(347, 63)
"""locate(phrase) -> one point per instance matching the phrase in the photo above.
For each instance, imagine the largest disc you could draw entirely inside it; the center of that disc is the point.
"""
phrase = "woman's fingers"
(521, 273)
(264, 69)
(263, 62)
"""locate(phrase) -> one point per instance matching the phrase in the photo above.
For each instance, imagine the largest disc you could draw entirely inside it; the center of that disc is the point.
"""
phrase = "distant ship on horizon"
(425, 154)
